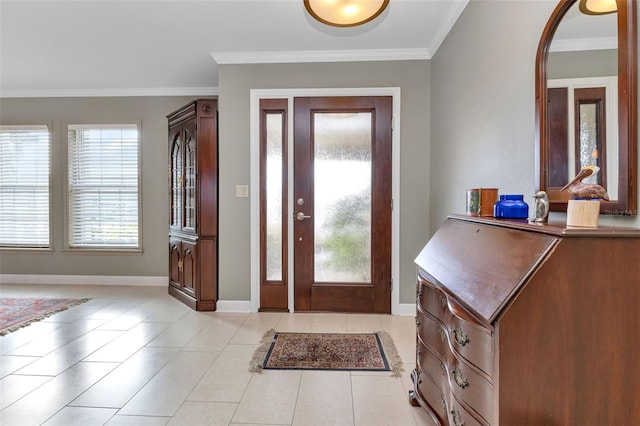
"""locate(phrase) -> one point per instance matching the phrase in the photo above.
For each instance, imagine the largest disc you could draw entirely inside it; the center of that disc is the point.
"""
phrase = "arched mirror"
(586, 102)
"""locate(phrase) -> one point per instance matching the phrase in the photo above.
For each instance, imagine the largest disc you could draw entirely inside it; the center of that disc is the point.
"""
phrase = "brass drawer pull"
(443, 301)
(455, 416)
(459, 379)
(443, 368)
(461, 337)
(443, 335)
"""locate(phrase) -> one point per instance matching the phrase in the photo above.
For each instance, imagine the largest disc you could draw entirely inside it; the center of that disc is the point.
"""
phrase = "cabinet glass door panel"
(189, 181)
(176, 183)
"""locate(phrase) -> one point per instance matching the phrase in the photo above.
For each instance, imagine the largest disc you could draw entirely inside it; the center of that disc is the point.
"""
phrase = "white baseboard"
(404, 309)
(83, 279)
(234, 306)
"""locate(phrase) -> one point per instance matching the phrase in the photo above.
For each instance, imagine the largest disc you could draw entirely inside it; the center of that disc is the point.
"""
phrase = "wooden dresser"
(528, 324)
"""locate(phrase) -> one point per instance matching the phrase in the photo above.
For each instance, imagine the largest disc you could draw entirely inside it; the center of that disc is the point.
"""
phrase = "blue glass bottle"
(511, 206)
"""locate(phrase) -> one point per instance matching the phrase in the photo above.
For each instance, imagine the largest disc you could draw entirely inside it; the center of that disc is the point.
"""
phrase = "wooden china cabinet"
(193, 204)
(528, 324)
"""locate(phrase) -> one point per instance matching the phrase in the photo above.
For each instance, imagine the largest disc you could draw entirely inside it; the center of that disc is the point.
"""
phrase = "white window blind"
(103, 186)
(24, 186)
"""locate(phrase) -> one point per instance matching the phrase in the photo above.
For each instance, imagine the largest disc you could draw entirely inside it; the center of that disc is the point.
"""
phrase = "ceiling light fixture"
(345, 13)
(598, 7)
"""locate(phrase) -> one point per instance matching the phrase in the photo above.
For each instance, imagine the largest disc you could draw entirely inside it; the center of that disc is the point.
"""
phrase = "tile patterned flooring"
(136, 356)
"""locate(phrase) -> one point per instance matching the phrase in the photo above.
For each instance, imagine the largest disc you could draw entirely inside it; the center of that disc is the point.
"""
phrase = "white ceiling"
(578, 31)
(110, 47)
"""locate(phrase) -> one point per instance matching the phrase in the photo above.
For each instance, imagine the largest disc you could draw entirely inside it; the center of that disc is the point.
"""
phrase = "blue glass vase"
(511, 207)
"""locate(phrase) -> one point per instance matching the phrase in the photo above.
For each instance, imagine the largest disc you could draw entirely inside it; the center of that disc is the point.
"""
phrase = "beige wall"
(58, 112)
(581, 64)
(235, 84)
(467, 121)
(482, 103)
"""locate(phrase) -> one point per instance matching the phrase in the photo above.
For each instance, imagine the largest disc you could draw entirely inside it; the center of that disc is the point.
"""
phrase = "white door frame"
(254, 164)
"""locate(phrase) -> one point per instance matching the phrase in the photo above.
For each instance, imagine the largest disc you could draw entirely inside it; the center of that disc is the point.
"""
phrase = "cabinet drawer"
(432, 300)
(434, 398)
(459, 416)
(469, 386)
(432, 333)
(471, 340)
(432, 365)
(449, 373)
(475, 344)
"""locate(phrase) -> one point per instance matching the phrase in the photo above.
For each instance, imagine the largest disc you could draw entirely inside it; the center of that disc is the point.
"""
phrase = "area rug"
(20, 312)
(327, 351)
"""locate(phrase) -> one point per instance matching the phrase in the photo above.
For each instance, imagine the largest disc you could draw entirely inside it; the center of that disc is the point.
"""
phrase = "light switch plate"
(242, 191)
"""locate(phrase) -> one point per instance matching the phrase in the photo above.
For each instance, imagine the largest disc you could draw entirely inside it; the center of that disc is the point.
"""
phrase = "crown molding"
(91, 93)
(455, 10)
(572, 45)
(225, 58)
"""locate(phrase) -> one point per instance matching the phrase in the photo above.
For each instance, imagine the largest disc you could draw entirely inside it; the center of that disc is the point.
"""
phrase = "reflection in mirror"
(583, 60)
(591, 147)
(586, 77)
(590, 142)
(582, 116)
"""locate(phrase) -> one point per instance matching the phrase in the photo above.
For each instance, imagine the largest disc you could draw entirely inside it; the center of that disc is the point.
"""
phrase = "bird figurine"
(542, 207)
(589, 191)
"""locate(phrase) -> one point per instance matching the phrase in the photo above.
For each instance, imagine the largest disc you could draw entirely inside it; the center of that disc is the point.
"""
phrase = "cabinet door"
(176, 178)
(175, 263)
(189, 268)
(190, 176)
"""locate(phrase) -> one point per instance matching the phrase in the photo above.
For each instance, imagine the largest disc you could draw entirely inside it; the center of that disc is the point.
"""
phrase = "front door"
(342, 204)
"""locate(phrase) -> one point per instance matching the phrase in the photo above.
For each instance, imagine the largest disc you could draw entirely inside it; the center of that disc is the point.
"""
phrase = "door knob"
(302, 216)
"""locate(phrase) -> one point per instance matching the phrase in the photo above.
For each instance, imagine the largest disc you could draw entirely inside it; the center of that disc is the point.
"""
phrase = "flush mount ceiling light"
(345, 13)
(598, 7)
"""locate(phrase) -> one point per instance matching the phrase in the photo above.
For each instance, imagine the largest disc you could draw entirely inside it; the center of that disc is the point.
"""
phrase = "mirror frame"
(626, 204)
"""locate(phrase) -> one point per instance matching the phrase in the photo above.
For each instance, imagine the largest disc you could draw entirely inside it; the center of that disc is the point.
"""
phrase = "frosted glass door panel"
(588, 138)
(342, 191)
(274, 172)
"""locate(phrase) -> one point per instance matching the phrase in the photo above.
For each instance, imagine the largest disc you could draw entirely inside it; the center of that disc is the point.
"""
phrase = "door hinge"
(392, 204)
(393, 123)
(391, 285)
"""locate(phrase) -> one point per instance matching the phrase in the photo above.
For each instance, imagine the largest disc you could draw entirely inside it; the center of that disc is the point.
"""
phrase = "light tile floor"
(136, 356)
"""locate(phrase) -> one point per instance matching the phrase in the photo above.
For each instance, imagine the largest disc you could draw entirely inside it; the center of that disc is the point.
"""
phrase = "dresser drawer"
(468, 338)
(459, 416)
(433, 365)
(432, 333)
(432, 300)
(469, 386)
(475, 344)
(429, 392)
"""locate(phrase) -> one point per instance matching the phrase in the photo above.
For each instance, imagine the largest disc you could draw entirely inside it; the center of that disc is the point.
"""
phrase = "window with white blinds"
(24, 186)
(103, 186)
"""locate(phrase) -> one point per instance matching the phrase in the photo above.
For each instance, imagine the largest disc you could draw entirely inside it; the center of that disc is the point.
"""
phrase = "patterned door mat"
(327, 351)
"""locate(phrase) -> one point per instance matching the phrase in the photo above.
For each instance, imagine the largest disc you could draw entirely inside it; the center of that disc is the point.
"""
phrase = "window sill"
(103, 251)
